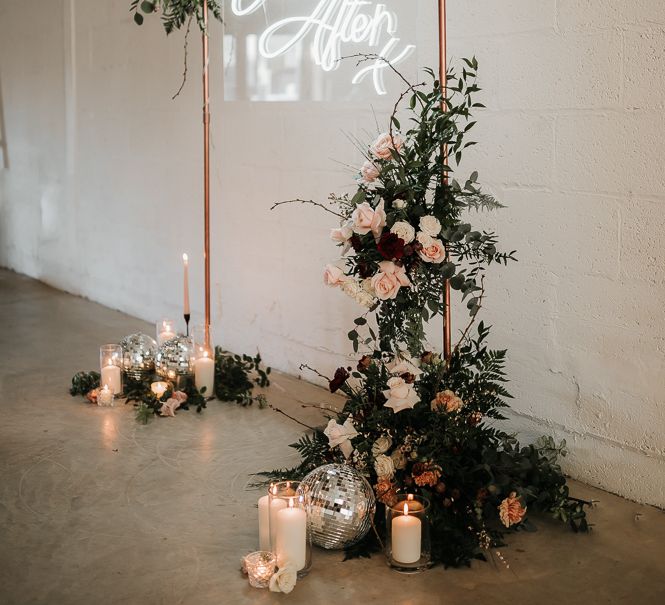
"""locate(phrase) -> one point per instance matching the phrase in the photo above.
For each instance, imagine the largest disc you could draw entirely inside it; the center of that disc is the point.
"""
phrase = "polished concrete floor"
(95, 508)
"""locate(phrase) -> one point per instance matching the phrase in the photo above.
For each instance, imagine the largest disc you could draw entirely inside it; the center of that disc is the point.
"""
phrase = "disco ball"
(138, 355)
(174, 358)
(340, 505)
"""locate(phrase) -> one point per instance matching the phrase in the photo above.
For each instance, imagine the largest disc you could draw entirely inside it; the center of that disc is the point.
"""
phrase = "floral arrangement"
(415, 421)
(235, 379)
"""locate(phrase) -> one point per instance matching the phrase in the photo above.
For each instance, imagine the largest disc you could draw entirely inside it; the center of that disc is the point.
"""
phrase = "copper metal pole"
(206, 173)
(447, 350)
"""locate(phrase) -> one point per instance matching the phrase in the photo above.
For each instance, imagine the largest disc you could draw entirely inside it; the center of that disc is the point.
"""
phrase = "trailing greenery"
(175, 13)
(236, 376)
(84, 382)
(414, 422)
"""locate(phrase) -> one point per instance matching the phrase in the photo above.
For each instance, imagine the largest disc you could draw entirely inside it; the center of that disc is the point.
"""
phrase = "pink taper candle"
(185, 260)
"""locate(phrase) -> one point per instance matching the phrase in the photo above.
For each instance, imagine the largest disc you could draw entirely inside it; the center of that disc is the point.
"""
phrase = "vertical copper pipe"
(206, 173)
(447, 348)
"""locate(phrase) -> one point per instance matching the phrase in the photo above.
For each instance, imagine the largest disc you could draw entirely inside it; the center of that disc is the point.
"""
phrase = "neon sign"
(333, 25)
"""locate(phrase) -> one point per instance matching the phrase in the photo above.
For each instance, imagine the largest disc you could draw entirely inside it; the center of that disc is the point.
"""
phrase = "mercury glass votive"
(105, 397)
(408, 546)
(260, 567)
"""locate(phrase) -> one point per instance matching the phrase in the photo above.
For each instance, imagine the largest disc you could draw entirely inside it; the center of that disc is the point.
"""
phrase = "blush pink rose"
(366, 219)
(384, 144)
(341, 234)
(369, 172)
(333, 276)
(433, 250)
(390, 278)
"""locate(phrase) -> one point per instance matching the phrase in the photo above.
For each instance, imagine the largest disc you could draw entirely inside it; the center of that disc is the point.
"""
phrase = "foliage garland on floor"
(235, 379)
(414, 422)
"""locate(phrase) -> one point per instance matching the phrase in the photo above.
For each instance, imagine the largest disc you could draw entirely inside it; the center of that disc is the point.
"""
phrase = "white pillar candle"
(112, 376)
(204, 374)
(275, 506)
(264, 523)
(292, 536)
(406, 531)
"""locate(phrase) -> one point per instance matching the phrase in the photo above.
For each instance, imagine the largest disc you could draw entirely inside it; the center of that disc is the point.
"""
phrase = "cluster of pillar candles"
(202, 360)
(283, 533)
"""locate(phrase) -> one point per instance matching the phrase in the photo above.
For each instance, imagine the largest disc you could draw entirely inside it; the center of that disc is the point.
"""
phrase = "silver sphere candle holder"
(174, 360)
(138, 356)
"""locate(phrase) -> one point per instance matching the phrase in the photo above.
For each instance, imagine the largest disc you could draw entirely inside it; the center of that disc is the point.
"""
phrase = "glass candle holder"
(165, 330)
(408, 547)
(110, 367)
(289, 533)
(260, 567)
(204, 361)
(105, 397)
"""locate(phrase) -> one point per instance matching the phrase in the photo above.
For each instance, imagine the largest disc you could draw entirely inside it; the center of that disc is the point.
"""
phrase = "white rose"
(284, 579)
(340, 435)
(381, 445)
(400, 395)
(430, 225)
(404, 231)
(405, 365)
(399, 204)
(383, 466)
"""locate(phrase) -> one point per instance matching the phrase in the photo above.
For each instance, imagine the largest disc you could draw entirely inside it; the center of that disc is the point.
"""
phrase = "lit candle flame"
(274, 490)
(290, 502)
(185, 258)
(406, 508)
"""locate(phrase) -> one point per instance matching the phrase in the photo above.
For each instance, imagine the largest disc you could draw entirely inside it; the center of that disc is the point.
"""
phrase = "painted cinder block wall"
(103, 194)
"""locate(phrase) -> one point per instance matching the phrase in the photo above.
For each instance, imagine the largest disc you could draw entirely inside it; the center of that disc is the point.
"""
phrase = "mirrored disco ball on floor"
(340, 505)
(138, 355)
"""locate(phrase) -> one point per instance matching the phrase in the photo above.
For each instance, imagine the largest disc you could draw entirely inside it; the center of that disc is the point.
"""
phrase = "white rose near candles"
(110, 360)
(408, 541)
(289, 533)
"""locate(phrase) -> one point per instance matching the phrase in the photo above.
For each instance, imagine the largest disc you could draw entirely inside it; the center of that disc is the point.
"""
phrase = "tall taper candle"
(185, 261)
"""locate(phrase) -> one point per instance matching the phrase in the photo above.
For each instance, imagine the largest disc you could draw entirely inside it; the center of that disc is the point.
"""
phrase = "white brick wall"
(572, 140)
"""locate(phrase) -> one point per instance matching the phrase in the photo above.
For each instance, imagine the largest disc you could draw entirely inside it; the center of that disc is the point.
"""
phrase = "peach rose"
(385, 491)
(366, 219)
(433, 250)
(511, 510)
(369, 172)
(390, 278)
(446, 401)
(333, 276)
(384, 144)
(342, 234)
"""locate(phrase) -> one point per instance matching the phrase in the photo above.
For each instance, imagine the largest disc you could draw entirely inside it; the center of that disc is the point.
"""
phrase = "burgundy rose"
(364, 363)
(339, 379)
(365, 270)
(390, 246)
(356, 244)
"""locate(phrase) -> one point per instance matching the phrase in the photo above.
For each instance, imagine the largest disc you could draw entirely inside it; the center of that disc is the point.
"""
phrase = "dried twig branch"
(184, 72)
(272, 407)
(312, 202)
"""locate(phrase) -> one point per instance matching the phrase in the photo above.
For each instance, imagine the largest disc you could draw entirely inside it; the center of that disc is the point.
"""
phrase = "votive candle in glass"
(110, 367)
(407, 534)
(260, 567)
(159, 388)
(165, 331)
(105, 396)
